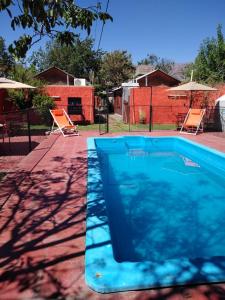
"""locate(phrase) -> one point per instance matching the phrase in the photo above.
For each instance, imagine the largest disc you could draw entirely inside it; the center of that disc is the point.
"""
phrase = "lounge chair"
(64, 123)
(193, 121)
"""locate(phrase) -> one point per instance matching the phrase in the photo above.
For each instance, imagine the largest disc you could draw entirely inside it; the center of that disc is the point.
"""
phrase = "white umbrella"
(11, 84)
(192, 86)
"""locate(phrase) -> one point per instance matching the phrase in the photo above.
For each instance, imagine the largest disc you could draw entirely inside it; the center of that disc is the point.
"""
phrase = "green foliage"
(78, 59)
(19, 98)
(156, 62)
(31, 97)
(23, 98)
(43, 103)
(6, 61)
(49, 18)
(151, 59)
(116, 68)
(209, 65)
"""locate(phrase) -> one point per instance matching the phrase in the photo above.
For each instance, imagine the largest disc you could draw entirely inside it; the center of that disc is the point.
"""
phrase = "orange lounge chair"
(62, 120)
(193, 121)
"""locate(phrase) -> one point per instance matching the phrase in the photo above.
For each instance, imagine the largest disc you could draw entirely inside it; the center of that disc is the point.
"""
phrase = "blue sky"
(171, 29)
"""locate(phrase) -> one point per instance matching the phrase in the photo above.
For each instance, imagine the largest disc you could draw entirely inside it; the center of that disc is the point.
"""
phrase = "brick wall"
(201, 99)
(165, 109)
(87, 100)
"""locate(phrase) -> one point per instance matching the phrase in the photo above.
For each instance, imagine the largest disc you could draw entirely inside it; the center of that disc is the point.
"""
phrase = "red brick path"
(42, 227)
(11, 153)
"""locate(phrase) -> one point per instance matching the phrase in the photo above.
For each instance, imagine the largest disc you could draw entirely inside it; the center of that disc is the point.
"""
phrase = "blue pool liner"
(102, 272)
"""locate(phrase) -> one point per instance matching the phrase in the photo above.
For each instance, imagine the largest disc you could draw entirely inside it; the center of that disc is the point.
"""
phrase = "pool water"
(164, 203)
(161, 208)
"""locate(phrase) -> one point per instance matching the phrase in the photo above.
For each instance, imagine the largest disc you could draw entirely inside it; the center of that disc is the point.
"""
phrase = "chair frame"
(60, 129)
(198, 127)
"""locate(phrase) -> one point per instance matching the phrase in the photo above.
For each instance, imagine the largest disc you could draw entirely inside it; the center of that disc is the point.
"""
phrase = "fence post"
(150, 112)
(129, 115)
(150, 118)
(107, 117)
(28, 128)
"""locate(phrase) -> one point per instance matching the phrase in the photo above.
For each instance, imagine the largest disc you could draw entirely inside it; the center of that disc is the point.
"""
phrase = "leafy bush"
(19, 98)
(43, 103)
(23, 98)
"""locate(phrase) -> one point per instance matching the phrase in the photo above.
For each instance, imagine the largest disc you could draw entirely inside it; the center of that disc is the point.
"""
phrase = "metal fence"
(148, 118)
(24, 130)
(21, 131)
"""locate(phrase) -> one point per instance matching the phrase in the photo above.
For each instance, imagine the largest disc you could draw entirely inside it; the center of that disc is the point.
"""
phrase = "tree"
(151, 59)
(156, 62)
(52, 18)
(23, 99)
(116, 68)
(31, 98)
(42, 103)
(79, 59)
(209, 65)
(6, 61)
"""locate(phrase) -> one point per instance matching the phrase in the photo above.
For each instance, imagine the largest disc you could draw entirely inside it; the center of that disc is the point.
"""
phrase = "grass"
(114, 127)
(164, 127)
(119, 127)
(94, 127)
(40, 127)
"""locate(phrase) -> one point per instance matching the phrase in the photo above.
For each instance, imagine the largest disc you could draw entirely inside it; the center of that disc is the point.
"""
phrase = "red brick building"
(133, 103)
(71, 93)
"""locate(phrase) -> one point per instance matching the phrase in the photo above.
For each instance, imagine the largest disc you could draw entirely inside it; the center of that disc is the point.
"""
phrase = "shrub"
(43, 103)
(19, 99)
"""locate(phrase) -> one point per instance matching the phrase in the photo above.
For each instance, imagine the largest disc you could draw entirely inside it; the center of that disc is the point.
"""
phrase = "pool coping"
(105, 275)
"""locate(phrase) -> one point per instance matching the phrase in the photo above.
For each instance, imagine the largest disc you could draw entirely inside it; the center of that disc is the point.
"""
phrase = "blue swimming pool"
(155, 213)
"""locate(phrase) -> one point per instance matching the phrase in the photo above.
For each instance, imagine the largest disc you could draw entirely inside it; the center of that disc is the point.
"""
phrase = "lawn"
(114, 127)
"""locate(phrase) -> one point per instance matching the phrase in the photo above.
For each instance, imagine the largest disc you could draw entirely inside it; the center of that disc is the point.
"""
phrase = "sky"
(172, 29)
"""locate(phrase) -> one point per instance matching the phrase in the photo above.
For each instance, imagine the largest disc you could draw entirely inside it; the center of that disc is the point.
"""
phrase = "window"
(74, 106)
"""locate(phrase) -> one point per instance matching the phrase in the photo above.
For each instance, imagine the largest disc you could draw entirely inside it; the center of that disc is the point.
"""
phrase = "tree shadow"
(42, 237)
(42, 230)
(13, 148)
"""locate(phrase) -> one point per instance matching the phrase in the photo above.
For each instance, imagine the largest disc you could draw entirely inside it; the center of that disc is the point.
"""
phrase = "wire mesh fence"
(21, 131)
(146, 118)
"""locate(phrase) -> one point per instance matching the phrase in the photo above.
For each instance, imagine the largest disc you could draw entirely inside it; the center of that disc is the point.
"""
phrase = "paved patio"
(12, 151)
(42, 226)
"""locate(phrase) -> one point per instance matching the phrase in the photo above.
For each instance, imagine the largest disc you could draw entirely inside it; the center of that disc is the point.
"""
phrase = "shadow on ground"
(42, 232)
(16, 148)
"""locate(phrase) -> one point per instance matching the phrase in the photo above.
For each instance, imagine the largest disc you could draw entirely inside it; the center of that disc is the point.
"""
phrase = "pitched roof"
(143, 69)
(66, 73)
(154, 71)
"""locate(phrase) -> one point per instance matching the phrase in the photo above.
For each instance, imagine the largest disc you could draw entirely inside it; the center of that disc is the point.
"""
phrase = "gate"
(102, 119)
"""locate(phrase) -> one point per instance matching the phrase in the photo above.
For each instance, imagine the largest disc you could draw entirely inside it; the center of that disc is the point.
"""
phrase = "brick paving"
(11, 153)
(42, 226)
